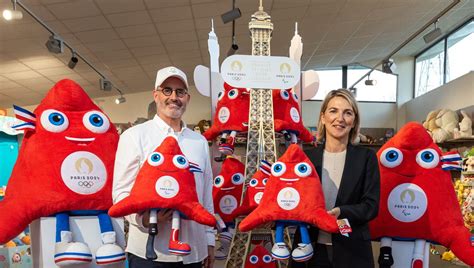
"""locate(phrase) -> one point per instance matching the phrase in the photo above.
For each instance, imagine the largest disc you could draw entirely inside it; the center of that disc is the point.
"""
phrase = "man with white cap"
(171, 96)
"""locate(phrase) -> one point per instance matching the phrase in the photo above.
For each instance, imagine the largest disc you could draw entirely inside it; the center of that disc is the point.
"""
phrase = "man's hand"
(209, 261)
(162, 216)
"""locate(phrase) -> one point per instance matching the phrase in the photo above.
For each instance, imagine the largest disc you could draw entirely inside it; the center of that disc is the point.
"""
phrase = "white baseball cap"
(168, 72)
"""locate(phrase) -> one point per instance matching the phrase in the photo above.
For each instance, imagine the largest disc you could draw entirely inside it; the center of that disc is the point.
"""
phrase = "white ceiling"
(128, 40)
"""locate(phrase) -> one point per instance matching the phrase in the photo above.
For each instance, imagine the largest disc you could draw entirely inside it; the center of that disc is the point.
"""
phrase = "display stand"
(84, 228)
(402, 252)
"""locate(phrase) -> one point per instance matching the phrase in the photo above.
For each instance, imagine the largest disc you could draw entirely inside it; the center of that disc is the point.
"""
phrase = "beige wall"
(457, 94)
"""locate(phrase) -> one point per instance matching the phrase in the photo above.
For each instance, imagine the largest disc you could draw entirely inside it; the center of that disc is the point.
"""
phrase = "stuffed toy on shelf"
(232, 115)
(446, 120)
(226, 193)
(68, 153)
(287, 116)
(417, 200)
(465, 127)
(293, 196)
(165, 181)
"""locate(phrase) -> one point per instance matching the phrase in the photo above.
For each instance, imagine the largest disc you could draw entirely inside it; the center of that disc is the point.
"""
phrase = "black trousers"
(137, 262)
(322, 258)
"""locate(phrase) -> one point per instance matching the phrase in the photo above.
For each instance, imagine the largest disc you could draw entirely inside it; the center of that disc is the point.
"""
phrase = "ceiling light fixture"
(388, 66)
(12, 14)
(120, 99)
(55, 44)
(370, 82)
(231, 15)
(433, 34)
(73, 61)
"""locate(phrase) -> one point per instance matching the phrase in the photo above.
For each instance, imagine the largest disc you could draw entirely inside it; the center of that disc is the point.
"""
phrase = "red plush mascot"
(68, 151)
(232, 115)
(253, 194)
(165, 181)
(287, 116)
(259, 258)
(417, 198)
(293, 193)
(226, 193)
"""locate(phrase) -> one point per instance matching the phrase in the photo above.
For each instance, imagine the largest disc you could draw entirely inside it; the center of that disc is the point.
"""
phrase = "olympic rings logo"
(87, 184)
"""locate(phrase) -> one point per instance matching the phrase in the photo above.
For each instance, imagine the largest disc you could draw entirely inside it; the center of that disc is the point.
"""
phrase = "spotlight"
(73, 61)
(105, 84)
(233, 48)
(231, 15)
(9, 14)
(433, 34)
(55, 44)
(119, 100)
(353, 90)
(370, 82)
(388, 66)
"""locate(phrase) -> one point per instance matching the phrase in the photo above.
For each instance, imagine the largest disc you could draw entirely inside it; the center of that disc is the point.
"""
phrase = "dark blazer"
(358, 199)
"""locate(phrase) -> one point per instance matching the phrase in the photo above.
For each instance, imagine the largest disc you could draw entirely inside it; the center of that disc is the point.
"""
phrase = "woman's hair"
(347, 95)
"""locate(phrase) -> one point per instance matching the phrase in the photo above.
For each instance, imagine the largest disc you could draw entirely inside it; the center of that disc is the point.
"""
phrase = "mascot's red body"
(417, 198)
(253, 195)
(287, 115)
(227, 190)
(232, 112)
(65, 163)
(259, 257)
(165, 181)
(291, 194)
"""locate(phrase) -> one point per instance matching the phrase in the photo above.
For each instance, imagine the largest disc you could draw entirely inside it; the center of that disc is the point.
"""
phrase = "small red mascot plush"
(417, 198)
(287, 116)
(293, 194)
(165, 181)
(68, 154)
(232, 115)
(253, 195)
(259, 257)
(226, 193)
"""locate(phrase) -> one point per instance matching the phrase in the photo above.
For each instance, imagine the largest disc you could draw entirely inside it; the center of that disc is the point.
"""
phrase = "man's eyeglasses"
(167, 91)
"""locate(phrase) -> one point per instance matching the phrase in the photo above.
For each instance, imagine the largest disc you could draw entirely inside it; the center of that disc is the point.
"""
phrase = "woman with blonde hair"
(351, 185)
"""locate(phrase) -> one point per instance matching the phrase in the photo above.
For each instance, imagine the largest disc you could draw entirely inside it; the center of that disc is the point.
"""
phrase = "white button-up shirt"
(134, 146)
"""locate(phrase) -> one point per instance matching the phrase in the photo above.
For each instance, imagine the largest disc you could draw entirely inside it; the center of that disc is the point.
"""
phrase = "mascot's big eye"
(284, 94)
(391, 157)
(303, 169)
(155, 159)
(220, 95)
(233, 93)
(180, 161)
(265, 181)
(295, 97)
(253, 182)
(54, 121)
(237, 178)
(96, 122)
(267, 258)
(427, 158)
(253, 259)
(278, 169)
(218, 181)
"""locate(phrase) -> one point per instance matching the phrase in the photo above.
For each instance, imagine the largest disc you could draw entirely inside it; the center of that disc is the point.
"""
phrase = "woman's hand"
(335, 212)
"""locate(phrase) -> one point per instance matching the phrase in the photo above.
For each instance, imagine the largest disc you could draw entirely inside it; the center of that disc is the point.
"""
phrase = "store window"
(328, 80)
(460, 56)
(382, 89)
(429, 69)
(446, 60)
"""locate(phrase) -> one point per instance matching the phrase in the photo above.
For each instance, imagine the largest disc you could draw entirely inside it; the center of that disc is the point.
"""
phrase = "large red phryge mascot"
(165, 181)
(287, 116)
(232, 115)
(417, 198)
(226, 193)
(293, 194)
(259, 257)
(65, 164)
